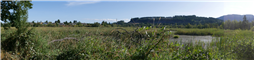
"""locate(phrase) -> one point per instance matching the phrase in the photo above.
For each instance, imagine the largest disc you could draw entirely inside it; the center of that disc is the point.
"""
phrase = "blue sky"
(98, 11)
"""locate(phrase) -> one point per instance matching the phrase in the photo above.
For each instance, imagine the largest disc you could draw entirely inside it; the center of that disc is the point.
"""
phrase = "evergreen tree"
(66, 23)
(104, 23)
(245, 23)
(58, 21)
(75, 21)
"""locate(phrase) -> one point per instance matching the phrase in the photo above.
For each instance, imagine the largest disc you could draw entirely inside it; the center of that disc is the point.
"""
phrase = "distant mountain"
(179, 19)
(237, 17)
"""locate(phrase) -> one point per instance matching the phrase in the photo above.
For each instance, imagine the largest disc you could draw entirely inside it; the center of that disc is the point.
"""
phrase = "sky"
(112, 11)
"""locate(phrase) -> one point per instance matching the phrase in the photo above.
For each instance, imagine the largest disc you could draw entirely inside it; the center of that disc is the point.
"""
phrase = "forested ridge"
(180, 19)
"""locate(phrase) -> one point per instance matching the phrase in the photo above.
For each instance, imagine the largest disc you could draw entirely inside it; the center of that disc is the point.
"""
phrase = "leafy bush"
(76, 54)
(176, 36)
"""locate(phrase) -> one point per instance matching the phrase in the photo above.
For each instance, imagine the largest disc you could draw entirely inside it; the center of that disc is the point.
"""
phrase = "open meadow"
(128, 43)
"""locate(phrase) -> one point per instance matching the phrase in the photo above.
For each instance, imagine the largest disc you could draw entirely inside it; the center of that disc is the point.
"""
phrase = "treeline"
(181, 19)
(176, 25)
(120, 23)
(57, 24)
(187, 22)
(69, 24)
(244, 25)
(73, 23)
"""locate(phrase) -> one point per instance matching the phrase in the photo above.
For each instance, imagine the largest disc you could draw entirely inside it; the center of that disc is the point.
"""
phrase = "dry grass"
(8, 56)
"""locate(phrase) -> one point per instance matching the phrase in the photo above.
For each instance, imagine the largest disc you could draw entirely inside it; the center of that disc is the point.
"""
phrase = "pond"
(194, 38)
(183, 39)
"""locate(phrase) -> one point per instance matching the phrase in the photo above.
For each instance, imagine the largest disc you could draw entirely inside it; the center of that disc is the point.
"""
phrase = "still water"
(194, 38)
(205, 40)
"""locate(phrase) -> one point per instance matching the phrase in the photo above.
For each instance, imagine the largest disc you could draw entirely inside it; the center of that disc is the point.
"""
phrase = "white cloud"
(77, 2)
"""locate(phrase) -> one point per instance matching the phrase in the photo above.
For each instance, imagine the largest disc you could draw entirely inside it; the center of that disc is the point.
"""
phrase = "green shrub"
(176, 36)
(76, 54)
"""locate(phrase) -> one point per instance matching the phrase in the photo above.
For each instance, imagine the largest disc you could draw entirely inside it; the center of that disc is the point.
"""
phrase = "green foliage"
(120, 22)
(176, 36)
(74, 21)
(236, 45)
(21, 41)
(252, 28)
(1, 24)
(76, 54)
(200, 26)
(96, 24)
(244, 25)
(79, 24)
(177, 19)
(188, 26)
(58, 21)
(88, 43)
(210, 31)
(46, 21)
(66, 23)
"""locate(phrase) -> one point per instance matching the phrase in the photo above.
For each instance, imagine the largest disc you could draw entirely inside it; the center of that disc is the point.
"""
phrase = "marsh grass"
(210, 31)
(97, 43)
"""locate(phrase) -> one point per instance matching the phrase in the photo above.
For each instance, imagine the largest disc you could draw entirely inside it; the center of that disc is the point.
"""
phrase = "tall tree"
(245, 23)
(33, 22)
(74, 21)
(18, 19)
(104, 23)
(46, 21)
(66, 23)
(18, 15)
(58, 21)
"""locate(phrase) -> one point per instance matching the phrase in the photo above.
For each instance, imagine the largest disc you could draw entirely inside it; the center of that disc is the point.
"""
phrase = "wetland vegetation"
(99, 43)
(21, 40)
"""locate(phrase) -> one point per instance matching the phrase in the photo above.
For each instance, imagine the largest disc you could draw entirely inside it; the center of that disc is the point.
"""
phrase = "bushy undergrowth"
(98, 44)
(238, 44)
(176, 36)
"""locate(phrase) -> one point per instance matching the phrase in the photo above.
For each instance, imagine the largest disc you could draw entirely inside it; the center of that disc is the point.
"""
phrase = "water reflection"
(183, 39)
(193, 38)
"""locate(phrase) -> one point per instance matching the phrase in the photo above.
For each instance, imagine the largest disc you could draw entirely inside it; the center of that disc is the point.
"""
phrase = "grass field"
(102, 43)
